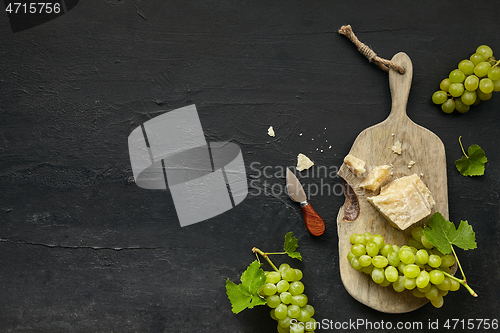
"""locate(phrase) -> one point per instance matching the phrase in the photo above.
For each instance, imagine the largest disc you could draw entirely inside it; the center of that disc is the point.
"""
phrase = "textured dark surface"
(83, 249)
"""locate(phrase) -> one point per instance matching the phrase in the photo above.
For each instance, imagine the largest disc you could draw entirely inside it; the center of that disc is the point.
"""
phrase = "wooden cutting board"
(357, 215)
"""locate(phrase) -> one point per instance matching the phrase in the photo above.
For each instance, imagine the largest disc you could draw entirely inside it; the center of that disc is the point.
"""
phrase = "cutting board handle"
(400, 86)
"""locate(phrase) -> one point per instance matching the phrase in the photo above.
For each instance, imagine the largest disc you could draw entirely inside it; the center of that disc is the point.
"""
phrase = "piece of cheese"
(355, 164)
(303, 162)
(396, 148)
(376, 177)
(404, 201)
(270, 131)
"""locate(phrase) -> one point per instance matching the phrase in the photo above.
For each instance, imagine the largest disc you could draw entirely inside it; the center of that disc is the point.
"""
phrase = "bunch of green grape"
(417, 266)
(475, 80)
(284, 293)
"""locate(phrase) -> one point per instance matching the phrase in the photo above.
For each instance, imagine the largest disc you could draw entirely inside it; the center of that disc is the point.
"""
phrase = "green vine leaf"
(246, 294)
(471, 164)
(291, 245)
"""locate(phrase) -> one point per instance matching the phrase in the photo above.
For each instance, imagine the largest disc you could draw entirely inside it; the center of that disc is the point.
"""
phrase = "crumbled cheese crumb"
(410, 164)
(303, 162)
(355, 164)
(270, 131)
(396, 147)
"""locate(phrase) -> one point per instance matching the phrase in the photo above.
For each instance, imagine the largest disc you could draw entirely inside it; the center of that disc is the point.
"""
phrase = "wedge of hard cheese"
(404, 201)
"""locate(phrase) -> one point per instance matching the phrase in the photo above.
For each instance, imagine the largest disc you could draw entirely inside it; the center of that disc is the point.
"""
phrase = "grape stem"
(462, 282)
(264, 254)
(463, 151)
(496, 64)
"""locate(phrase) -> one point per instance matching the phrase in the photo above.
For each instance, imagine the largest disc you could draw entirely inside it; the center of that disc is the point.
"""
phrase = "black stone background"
(83, 249)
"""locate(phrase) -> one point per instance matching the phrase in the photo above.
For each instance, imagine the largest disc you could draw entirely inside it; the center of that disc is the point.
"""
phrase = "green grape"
(298, 274)
(468, 98)
(482, 69)
(283, 266)
(434, 261)
(485, 51)
(471, 83)
(422, 257)
(300, 300)
(273, 315)
(288, 274)
(368, 270)
(494, 73)
(352, 238)
(355, 263)
(414, 243)
(384, 283)
(293, 311)
(393, 258)
(309, 308)
(496, 85)
(432, 293)
(379, 240)
(445, 285)
(443, 292)
(406, 256)
(286, 297)
(413, 249)
(398, 285)
(418, 293)
(297, 328)
(456, 89)
(273, 277)
(461, 107)
(358, 249)
(447, 260)
(386, 249)
(371, 249)
(368, 236)
(365, 260)
(481, 96)
(425, 243)
(423, 279)
(269, 289)
(395, 248)
(457, 75)
(285, 322)
(426, 288)
(417, 232)
(283, 330)
(411, 271)
(401, 267)
(409, 283)
(273, 301)
(436, 277)
(486, 85)
(281, 311)
(476, 58)
(445, 84)
(296, 288)
(360, 239)
(455, 285)
(378, 275)
(282, 286)
(304, 316)
(380, 261)
(349, 257)
(438, 301)
(448, 107)
(310, 325)
(439, 97)
(466, 66)
(391, 273)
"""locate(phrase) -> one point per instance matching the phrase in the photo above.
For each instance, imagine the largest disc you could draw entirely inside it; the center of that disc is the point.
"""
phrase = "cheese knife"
(314, 223)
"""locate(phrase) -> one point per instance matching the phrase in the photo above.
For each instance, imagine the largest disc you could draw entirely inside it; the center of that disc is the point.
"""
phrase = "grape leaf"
(291, 245)
(442, 234)
(245, 295)
(473, 163)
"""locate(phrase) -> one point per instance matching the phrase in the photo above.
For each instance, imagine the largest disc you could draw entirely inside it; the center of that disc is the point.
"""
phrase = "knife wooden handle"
(314, 223)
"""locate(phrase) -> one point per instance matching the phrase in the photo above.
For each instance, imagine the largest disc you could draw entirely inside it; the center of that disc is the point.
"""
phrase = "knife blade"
(314, 223)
